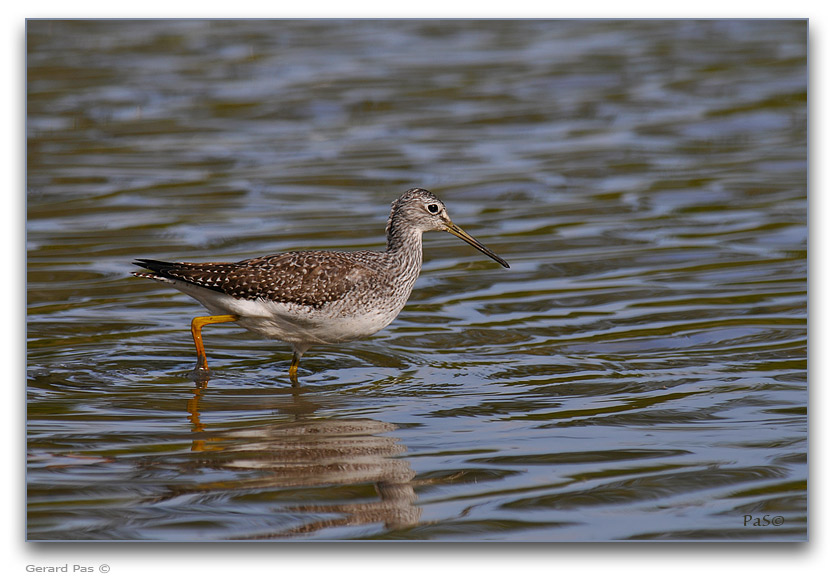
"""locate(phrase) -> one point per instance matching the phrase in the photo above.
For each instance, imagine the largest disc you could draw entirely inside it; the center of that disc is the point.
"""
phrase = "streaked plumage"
(315, 297)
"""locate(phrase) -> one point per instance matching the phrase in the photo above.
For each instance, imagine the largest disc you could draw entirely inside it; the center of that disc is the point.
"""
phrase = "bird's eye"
(433, 208)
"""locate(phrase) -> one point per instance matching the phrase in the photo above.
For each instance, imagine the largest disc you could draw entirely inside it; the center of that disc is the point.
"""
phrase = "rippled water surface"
(638, 373)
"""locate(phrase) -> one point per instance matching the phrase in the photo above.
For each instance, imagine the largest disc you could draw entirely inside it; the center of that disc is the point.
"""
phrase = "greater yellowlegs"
(315, 297)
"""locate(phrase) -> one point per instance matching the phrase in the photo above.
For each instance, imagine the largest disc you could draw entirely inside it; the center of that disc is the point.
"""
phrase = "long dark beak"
(455, 230)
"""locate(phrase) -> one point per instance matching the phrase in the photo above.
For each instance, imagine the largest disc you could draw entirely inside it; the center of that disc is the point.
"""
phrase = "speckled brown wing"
(308, 278)
(311, 279)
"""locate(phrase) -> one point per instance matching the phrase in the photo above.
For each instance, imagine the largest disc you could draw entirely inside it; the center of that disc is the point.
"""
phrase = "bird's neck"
(405, 246)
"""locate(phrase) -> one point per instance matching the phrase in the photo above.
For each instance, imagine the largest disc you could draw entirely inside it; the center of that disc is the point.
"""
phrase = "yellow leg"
(296, 358)
(196, 331)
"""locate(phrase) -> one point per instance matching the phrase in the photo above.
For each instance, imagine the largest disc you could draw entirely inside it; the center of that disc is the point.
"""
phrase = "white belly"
(298, 324)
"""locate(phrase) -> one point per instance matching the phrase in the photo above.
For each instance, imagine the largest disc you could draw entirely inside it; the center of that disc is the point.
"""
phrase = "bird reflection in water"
(313, 453)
